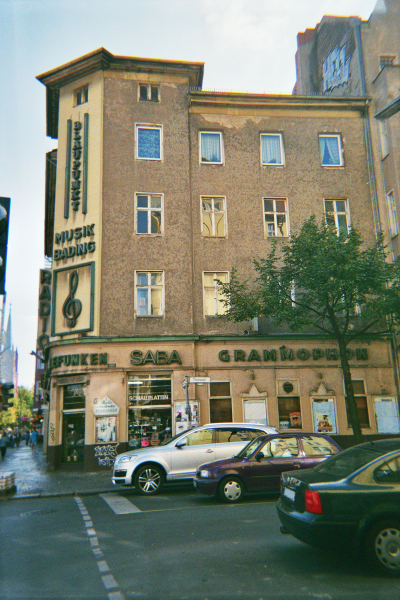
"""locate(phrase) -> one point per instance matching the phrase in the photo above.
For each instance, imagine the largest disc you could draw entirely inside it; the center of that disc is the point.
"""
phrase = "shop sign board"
(105, 408)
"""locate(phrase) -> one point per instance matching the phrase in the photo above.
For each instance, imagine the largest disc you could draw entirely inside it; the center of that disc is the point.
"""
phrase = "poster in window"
(106, 430)
(324, 415)
(295, 420)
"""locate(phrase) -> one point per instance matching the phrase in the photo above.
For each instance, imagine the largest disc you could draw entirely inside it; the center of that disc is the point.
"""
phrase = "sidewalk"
(32, 480)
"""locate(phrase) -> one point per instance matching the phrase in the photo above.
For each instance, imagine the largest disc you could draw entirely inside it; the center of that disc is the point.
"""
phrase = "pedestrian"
(34, 439)
(27, 437)
(17, 438)
(3, 444)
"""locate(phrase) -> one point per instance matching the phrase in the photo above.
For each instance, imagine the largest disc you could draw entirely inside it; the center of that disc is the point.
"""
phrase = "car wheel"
(149, 480)
(382, 546)
(231, 489)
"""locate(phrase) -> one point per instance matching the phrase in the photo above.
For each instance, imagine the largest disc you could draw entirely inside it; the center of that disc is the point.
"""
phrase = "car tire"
(382, 546)
(231, 490)
(148, 480)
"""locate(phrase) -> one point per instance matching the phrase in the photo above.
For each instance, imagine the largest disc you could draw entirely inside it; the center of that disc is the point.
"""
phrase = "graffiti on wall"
(106, 454)
(52, 430)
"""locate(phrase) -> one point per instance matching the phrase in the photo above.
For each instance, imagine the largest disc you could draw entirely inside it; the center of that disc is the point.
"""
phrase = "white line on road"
(119, 504)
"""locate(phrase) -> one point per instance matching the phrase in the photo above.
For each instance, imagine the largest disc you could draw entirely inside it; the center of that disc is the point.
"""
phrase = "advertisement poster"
(106, 429)
(324, 415)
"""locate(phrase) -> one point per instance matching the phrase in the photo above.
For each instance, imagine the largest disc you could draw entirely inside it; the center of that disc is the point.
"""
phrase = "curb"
(9, 496)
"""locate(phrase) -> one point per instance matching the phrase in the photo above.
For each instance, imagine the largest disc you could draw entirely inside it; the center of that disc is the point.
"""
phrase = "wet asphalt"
(32, 480)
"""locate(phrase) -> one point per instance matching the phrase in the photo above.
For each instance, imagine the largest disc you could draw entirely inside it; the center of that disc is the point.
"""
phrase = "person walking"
(3, 444)
(34, 439)
(27, 437)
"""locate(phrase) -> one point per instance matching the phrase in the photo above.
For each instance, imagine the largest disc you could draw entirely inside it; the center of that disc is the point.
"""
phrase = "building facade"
(157, 190)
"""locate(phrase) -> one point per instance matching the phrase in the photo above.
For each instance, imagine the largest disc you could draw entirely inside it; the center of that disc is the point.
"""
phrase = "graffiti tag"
(106, 454)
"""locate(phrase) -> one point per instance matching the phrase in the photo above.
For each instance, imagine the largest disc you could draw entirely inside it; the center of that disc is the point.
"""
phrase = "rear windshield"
(348, 461)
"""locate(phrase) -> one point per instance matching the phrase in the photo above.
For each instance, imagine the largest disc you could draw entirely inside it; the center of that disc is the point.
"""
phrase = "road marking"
(108, 580)
(119, 504)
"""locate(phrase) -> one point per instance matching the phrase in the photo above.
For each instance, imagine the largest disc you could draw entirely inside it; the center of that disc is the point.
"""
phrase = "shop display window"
(289, 412)
(150, 410)
(220, 402)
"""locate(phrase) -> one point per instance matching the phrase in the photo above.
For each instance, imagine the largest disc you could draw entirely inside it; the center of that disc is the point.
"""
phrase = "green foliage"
(322, 281)
(319, 281)
(23, 403)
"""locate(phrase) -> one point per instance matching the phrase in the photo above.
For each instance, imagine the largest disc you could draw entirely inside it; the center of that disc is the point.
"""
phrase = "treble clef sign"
(72, 307)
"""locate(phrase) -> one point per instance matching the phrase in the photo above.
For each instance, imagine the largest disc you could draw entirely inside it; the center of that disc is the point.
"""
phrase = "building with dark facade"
(160, 189)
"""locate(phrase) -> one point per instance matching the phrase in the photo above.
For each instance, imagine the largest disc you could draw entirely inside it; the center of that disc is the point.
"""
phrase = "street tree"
(320, 281)
(20, 412)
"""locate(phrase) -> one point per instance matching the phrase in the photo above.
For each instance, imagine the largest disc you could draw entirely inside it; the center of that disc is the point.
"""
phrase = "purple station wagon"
(258, 467)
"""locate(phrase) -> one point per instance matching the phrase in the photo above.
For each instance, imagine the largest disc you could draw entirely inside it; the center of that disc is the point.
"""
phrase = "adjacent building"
(157, 190)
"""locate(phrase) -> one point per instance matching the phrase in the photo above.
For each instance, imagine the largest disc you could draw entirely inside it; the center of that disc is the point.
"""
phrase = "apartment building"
(157, 190)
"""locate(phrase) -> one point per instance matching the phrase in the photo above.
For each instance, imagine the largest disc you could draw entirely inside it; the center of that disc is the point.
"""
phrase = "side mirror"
(259, 456)
(181, 443)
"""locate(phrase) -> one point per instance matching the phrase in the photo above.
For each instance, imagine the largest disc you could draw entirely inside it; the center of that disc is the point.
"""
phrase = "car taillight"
(312, 502)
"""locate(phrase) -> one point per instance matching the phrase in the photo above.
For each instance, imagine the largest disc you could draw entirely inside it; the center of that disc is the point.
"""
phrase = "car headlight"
(204, 473)
(126, 458)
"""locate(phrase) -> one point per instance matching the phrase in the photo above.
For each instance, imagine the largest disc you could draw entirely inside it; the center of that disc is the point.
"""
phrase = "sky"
(246, 45)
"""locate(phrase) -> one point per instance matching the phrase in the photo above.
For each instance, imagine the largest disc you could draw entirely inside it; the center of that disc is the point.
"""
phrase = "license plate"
(289, 493)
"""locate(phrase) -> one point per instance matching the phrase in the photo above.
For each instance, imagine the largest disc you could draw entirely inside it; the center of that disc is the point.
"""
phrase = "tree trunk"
(349, 392)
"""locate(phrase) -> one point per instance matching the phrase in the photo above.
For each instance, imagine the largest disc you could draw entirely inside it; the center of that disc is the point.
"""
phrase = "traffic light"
(4, 223)
(6, 395)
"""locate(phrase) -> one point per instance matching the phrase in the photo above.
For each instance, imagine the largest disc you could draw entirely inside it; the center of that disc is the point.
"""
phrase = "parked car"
(178, 458)
(352, 500)
(258, 467)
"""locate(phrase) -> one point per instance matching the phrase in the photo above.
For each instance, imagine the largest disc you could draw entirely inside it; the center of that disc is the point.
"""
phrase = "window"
(149, 142)
(149, 92)
(389, 472)
(386, 60)
(220, 402)
(149, 293)
(272, 149)
(384, 138)
(211, 147)
(361, 403)
(213, 305)
(289, 412)
(281, 448)
(317, 446)
(331, 150)
(233, 435)
(275, 217)
(81, 95)
(394, 229)
(214, 217)
(149, 211)
(337, 214)
(149, 409)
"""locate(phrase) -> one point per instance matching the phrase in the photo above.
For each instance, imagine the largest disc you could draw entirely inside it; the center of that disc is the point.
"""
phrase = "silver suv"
(178, 458)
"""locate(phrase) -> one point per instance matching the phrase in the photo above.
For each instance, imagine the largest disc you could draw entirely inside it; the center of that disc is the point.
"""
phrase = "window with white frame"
(213, 216)
(81, 95)
(148, 92)
(149, 142)
(272, 149)
(394, 228)
(331, 150)
(213, 305)
(337, 214)
(149, 293)
(211, 147)
(275, 217)
(149, 214)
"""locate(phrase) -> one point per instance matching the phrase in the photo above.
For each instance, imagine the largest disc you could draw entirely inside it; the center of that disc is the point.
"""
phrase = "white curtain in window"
(271, 150)
(210, 147)
(329, 150)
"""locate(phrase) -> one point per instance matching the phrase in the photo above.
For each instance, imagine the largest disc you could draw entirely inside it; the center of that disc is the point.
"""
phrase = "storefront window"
(220, 402)
(289, 412)
(106, 430)
(150, 409)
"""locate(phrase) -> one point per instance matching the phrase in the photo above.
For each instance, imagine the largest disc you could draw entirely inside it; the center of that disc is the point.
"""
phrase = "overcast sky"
(247, 46)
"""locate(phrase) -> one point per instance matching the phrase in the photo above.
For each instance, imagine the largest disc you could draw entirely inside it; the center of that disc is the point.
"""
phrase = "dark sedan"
(258, 467)
(351, 501)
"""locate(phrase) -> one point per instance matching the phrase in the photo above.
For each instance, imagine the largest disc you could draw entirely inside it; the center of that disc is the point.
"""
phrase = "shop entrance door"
(73, 437)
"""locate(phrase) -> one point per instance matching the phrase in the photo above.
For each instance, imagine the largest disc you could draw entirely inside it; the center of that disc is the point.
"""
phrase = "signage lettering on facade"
(289, 354)
(70, 235)
(160, 357)
(44, 308)
(74, 360)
